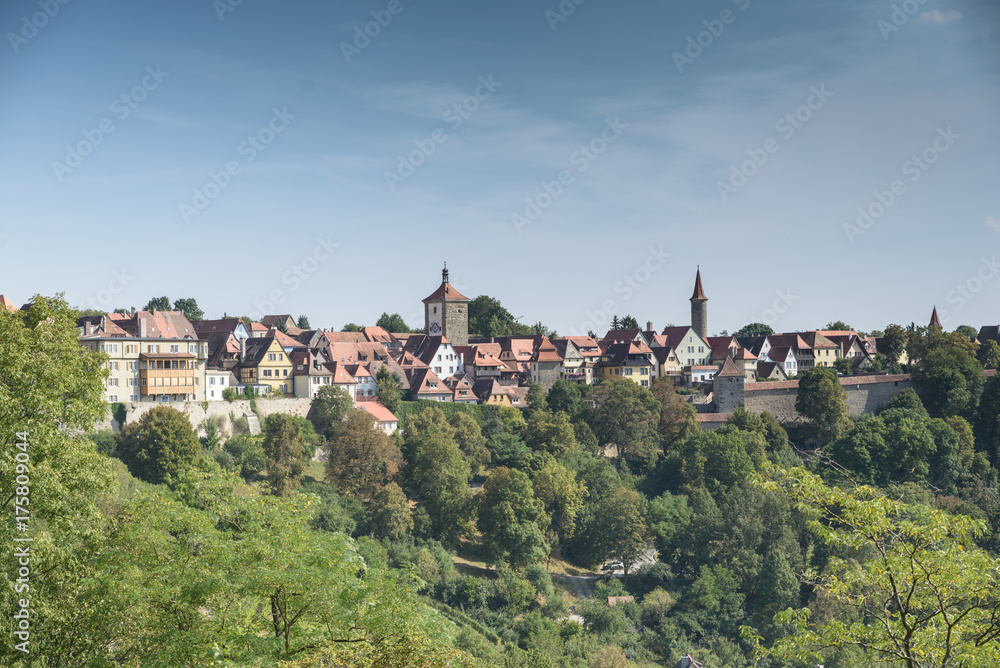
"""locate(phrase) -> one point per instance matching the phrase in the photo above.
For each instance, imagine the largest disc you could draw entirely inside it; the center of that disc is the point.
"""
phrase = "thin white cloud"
(938, 18)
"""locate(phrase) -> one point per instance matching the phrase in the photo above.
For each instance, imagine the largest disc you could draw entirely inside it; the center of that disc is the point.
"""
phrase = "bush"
(540, 578)
(229, 394)
(105, 441)
(556, 606)
(512, 593)
(248, 454)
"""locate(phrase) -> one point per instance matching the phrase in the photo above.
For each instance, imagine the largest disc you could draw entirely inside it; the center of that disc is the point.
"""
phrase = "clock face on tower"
(435, 328)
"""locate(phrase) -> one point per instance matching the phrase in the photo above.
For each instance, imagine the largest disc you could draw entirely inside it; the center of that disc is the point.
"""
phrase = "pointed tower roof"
(935, 320)
(729, 369)
(446, 292)
(699, 292)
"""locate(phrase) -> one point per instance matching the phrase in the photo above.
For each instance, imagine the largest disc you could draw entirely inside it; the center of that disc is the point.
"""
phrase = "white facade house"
(216, 381)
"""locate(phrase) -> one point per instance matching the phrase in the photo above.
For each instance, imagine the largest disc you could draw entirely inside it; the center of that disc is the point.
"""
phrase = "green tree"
(839, 326)
(567, 397)
(950, 381)
(248, 454)
(621, 530)
(625, 416)
(162, 443)
(926, 596)
(628, 322)
(616, 323)
(511, 519)
(844, 366)
(328, 408)
(822, 401)
(550, 432)
(389, 388)
(893, 343)
(989, 354)
(968, 332)
(471, 441)
(536, 398)
(189, 306)
(562, 499)
(392, 323)
(438, 475)
(303, 322)
(389, 511)
(351, 327)
(753, 329)
(678, 419)
(283, 449)
(361, 459)
(51, 396)
(157, 304)
(487, 317)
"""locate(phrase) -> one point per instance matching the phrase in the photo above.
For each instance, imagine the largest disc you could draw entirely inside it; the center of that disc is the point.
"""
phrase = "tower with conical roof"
(699, 307)
(446, 312)
(935, 320)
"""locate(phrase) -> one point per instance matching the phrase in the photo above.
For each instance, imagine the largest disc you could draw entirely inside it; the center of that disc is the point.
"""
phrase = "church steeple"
(935, 320)
(444, 274)
(699, 307)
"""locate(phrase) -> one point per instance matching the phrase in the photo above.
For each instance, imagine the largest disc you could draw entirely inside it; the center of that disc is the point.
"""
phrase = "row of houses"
(161, 356)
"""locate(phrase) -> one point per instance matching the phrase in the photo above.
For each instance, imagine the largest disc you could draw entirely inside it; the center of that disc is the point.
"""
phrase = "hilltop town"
(162, 357)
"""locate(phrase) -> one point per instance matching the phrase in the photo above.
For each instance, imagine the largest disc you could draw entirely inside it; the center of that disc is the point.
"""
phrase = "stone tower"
(729, 387)
(699, 308)
(446, 313)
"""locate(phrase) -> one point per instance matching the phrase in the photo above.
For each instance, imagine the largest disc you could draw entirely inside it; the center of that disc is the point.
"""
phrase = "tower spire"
(935, 320)
(699, 307)
(444, 273)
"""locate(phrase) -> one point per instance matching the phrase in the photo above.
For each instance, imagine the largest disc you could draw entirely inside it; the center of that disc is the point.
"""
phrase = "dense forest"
(474, 535)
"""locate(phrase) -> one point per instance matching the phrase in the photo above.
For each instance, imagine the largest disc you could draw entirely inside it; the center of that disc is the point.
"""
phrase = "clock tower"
(446, 313)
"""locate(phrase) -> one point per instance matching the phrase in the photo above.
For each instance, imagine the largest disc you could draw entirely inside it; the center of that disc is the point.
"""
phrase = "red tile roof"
(380, 412)
(7, 304)
(446, 293)
(729, 369)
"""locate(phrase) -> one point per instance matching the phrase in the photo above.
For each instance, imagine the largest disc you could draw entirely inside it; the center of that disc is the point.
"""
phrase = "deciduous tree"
(362, 459)
(822, 401)
(283, 448)
(328, 408)
(162, 443)
(157, 304)
(189, 305)
(927, 595)
(511, 520)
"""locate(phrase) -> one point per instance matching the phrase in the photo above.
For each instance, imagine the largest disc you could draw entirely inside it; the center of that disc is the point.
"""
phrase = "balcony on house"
(167, 373)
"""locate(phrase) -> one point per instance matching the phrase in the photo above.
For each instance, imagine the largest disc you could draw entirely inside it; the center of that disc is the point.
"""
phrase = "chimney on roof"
(133, 312)
(649, 325)
(142, 327)
(243, 349)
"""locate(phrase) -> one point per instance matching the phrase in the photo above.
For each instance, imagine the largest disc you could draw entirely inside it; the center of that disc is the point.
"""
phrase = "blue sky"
(242, 154)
